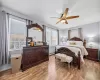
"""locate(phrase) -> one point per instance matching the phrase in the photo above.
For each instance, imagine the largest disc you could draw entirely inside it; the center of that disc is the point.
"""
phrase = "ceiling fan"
(64, 17)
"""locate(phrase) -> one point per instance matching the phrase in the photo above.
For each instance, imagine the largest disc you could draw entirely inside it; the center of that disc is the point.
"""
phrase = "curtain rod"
(14, 15)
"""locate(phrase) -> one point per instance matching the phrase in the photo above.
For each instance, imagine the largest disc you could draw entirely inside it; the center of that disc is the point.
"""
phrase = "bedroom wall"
(74, 33)
(90, 33)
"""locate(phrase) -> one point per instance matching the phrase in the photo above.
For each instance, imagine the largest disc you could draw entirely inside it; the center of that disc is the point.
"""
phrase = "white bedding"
(75, 49)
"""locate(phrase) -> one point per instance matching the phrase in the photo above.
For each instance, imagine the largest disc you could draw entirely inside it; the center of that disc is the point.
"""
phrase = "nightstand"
(92, 54)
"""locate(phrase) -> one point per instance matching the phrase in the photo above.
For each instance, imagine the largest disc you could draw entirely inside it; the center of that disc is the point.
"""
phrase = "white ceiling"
(42, 10)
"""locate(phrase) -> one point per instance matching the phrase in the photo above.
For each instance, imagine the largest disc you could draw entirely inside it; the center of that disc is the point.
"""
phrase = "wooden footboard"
(79, 59)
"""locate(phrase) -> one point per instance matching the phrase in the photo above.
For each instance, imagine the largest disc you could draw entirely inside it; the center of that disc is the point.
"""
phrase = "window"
(17, 33)
(51, 36)
(48, 36)
(54, 37)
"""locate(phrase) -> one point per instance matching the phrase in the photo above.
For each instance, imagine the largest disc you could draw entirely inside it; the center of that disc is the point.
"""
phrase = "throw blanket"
(80, 48)
(67, 52)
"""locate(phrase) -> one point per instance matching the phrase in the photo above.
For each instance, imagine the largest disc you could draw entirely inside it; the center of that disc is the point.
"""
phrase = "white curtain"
(4, 53)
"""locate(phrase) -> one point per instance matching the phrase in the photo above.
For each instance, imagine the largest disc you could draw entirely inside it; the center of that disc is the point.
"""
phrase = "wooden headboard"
(78, 39)
(75, 39)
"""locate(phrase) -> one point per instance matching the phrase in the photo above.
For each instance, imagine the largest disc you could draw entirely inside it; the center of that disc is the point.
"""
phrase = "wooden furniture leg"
(79, 60)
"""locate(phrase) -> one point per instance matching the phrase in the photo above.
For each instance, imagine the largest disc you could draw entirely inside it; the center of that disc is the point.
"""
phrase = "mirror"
(35, 33)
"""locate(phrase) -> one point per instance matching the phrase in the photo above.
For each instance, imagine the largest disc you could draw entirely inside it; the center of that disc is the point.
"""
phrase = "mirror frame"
(32, 26)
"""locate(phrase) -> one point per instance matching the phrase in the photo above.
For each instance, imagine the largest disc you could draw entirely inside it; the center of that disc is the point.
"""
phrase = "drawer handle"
(17, 58)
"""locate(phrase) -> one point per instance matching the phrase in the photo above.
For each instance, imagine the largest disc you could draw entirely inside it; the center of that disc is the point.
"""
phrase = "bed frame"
(78, 59)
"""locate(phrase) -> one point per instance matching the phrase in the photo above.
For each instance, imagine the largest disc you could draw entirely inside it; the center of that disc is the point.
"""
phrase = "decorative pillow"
(80, 43)
(72, 43)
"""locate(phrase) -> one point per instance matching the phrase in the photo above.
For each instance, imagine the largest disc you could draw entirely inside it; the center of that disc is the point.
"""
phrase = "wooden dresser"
(93, 54)
(34, 55)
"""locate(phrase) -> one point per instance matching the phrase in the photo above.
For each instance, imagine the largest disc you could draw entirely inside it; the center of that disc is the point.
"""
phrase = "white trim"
(15, 49)
(17, 19)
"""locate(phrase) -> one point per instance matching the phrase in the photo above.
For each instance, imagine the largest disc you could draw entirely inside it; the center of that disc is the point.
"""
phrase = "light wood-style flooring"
(55, 70)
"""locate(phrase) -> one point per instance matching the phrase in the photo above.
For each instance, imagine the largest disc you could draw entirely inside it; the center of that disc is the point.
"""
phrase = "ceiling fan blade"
(65, 13)
(71, 17)
(59, 21)
(66, 22)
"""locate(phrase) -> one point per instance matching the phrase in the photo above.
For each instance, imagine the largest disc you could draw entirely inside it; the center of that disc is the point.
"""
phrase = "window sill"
(16, 50)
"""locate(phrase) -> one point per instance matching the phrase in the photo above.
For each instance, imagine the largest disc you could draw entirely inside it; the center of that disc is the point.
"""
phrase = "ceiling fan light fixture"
(63, 21)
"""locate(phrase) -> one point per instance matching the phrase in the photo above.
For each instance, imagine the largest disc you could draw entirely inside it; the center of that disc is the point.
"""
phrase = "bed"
(74, 48)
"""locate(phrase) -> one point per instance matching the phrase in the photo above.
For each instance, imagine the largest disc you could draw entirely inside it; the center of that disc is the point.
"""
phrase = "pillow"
(80, 43)
(72, 43)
